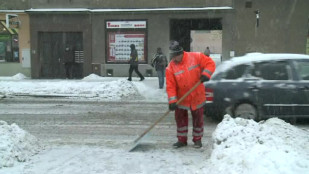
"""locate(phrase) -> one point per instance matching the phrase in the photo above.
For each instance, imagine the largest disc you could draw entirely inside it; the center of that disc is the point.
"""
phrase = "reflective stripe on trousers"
(181, 117)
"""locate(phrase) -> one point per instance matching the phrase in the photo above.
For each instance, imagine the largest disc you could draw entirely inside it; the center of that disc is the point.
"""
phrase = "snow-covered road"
(74, 133)
(81, 122)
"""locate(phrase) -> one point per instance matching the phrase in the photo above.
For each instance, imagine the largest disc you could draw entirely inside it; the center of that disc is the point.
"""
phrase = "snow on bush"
(15, 144)
(244, 146)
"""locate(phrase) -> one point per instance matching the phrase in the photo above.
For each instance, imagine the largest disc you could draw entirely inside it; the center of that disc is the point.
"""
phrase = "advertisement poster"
(119, 46)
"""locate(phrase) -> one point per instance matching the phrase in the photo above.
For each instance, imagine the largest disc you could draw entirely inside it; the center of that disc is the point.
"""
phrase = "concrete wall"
(14, 4)
(11, 69)
(283, 26)
(24, 33)
(206, 38)
(158, 35)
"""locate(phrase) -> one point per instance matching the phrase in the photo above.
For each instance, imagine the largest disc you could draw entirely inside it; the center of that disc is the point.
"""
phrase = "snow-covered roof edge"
(125, 10)
(162, 9)
(12, 11)
(58, 10)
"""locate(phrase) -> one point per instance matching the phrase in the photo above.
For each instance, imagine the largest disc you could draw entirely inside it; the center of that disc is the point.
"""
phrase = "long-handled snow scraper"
(136, 142)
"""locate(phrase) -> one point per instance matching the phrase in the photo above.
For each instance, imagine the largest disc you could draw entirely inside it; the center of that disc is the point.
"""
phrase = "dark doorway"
(51, 53)
(181, 28)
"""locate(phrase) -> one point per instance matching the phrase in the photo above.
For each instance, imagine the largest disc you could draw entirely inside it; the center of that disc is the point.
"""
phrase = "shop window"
(248, 4)
(9, 45)
(121, 34)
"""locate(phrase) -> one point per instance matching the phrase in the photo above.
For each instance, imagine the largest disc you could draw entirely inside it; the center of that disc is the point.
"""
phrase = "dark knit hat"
(132, 46)
(175, 49)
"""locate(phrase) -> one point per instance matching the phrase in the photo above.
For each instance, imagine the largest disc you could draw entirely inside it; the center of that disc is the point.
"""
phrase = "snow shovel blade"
(138, 140)
(133, 147)
(137, 144)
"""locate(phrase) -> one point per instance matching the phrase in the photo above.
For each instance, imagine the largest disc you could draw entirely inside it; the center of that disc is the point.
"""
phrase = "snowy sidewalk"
(92, 87)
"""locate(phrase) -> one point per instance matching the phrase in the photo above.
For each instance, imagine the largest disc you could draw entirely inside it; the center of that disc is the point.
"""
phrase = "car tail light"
(209, 95)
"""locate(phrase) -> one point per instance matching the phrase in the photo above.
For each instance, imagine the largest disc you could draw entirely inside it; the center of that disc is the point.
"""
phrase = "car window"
(302, 67)
(272, 70)
(235, 72)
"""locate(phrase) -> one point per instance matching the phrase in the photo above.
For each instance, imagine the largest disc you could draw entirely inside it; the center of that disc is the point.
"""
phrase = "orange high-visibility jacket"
(181, 77)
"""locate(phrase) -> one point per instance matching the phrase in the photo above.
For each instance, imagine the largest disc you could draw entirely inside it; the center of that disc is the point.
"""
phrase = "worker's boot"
(198, 144)
(179, 144)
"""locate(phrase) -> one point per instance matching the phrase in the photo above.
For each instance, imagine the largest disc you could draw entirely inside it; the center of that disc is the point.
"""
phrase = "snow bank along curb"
(16, 145)
(107, 90)
(92, 87)
(272, 146)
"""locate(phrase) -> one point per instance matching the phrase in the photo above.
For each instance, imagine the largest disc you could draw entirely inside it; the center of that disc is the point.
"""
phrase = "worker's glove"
(172, 106)
(204, 78)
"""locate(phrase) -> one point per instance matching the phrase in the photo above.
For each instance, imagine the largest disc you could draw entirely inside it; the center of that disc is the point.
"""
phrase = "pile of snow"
(92, 77)
(19, 76)
(15, 145)
(245, 146)
(108, 90)
(104, 90)
(91, 87)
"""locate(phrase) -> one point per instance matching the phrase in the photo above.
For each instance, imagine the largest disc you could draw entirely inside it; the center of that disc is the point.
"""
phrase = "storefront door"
(51, 53)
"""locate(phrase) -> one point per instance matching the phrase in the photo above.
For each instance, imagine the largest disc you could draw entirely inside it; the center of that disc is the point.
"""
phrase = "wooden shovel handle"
(167, 112)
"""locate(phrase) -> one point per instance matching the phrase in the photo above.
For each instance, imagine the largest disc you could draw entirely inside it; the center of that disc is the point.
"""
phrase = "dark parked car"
(260, 86)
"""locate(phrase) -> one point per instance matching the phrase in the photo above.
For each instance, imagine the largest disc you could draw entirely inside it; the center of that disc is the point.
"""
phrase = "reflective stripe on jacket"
(181, 77)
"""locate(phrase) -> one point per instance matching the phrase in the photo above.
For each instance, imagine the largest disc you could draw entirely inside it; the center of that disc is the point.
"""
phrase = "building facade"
(100, 32)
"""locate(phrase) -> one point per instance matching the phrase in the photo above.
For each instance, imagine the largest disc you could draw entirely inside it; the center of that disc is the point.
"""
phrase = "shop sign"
(12, 21)
(125, 24)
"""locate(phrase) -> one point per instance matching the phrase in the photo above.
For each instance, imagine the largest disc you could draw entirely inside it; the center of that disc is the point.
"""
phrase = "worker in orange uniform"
(182, 73)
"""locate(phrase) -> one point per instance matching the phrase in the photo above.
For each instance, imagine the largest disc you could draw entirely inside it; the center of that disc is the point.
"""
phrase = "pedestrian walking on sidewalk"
(207, 51)
(69, 61)
(159, 62)
(134, 63)
(184, 71)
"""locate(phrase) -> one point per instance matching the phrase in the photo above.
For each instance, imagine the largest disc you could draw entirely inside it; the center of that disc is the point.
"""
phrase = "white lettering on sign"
(12, 21)
(109, 25)
(126, 24)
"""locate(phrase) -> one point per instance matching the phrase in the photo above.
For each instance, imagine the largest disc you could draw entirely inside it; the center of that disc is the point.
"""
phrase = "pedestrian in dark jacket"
(68, 61)
(134, 63)
(159, 62)
(207, 51)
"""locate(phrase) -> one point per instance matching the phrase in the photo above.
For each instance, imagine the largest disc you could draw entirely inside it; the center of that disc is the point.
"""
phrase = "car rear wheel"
(245, 110)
